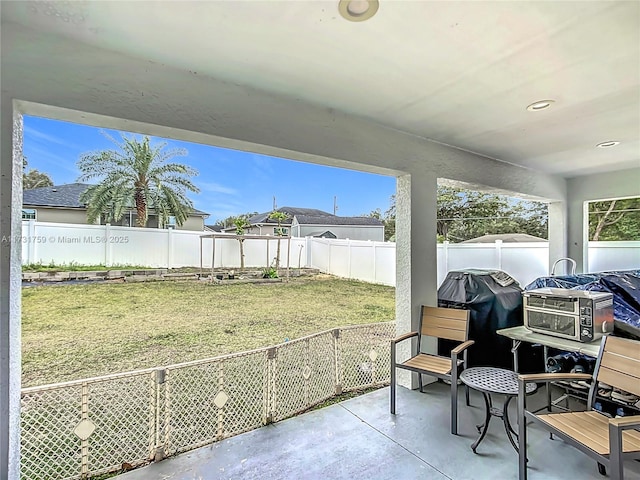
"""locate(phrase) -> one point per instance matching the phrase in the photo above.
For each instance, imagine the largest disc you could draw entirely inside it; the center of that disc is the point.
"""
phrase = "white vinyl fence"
(361, 260)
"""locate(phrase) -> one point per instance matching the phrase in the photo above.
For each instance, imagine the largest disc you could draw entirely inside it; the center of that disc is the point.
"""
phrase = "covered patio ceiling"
(457, 73)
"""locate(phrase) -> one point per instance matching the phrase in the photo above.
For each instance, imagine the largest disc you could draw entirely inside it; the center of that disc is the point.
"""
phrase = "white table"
(523, 334)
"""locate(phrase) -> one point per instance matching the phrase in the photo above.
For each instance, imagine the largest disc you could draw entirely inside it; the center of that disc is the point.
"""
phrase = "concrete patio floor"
(360, 439)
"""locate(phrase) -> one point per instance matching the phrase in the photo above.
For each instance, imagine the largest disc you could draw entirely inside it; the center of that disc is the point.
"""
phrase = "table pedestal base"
(491, 411)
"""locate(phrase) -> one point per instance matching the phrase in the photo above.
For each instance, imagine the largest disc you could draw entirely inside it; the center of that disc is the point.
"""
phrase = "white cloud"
(38, 136)
(216, 188)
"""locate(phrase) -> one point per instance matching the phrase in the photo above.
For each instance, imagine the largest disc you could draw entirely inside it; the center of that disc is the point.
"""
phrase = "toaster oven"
(578, 315)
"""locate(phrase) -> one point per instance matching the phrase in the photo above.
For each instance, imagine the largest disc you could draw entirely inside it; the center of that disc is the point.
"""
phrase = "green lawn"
(78, 331)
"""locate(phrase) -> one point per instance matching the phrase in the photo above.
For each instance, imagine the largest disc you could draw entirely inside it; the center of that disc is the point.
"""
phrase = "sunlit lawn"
(77, 331)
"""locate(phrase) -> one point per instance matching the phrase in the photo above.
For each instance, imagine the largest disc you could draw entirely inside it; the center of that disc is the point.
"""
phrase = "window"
(171, 223)
(280, 231)
(28, 214)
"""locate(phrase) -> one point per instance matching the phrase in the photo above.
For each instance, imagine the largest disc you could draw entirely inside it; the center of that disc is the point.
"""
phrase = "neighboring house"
(213, 228)
(310, 222)
(61, 204)
(506, 238)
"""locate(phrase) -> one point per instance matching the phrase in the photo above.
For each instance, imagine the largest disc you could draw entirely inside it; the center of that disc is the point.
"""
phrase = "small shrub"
(270, 272)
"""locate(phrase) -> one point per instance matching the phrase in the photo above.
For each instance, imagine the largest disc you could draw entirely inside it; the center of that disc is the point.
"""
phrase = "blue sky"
(231, 182)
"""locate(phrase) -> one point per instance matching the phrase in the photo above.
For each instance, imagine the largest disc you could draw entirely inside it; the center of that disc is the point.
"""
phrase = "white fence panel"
(525, 261)
(339, 258)
(320, 257)
(137, 246)
(362, 261)
(385, 263)
(63, 243)
(606, 256)
(470, 255)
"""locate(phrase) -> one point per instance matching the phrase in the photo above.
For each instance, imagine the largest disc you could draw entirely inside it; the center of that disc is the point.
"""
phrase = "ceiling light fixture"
(610, 143)
(358, 10)
(540, 105)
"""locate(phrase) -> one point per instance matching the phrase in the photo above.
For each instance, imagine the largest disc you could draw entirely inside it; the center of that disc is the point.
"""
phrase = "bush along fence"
(89, 427)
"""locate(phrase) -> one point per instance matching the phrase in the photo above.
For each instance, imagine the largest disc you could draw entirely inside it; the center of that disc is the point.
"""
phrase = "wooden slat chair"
(444, 323)
(607, 440)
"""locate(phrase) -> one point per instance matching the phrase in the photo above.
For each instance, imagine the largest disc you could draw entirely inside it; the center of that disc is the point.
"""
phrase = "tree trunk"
(602, 222)
(241, 254)
(141, 208)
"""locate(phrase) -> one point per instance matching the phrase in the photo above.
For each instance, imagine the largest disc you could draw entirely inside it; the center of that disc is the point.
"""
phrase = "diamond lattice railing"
(95, 426)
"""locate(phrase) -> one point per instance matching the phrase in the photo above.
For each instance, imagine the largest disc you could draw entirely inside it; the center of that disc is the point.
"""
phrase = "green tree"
(241, 224)
(278, 217)
(465, 214)
(229, 221)
(137, 174)
(614, 220)
(33, 178)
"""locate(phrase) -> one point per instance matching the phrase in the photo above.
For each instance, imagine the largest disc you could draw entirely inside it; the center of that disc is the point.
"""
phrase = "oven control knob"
(586, 333)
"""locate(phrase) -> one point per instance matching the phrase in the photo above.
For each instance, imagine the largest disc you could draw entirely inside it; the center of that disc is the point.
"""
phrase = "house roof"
(507, 238)
(64, 196)
(213, 228)
(335, 220)
(67, 196)
(312, 216)
(291, 211)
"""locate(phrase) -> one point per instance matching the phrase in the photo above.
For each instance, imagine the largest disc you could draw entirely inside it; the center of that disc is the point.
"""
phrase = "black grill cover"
(495, 301)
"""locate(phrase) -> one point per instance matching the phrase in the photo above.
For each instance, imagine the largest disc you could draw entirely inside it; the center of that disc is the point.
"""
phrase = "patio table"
(489, 380)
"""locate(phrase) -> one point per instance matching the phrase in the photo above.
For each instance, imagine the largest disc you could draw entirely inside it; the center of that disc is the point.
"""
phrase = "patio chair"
(441, 323)
(607, 440)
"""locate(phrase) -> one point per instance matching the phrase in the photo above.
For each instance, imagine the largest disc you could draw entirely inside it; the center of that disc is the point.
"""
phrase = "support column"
(416, 256)
(558, 230)
(10, 287)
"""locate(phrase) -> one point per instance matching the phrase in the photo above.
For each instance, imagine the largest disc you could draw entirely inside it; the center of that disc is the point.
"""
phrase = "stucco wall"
(623, 183)
(61, 215)
(193, 223)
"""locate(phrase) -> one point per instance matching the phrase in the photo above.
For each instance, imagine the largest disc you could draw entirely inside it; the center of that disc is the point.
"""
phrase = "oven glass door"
(553, 323)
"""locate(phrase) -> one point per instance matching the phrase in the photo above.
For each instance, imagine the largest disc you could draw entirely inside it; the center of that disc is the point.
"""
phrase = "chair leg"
(522, 436)
(420, 382)
(393, 389)
(454, 406)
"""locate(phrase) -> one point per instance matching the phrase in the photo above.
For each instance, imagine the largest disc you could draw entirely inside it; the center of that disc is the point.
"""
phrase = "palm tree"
(241, 223)
(137, 175)
(278, 217)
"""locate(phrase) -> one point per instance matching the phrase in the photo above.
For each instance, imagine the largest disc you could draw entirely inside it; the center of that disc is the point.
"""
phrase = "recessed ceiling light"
(610, 143)
(358, 10)
(539, 105)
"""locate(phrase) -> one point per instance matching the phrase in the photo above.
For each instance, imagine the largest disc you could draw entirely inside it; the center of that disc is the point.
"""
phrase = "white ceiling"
(459, 73)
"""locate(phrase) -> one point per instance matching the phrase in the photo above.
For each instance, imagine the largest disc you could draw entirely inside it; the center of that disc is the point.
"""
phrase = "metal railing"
(89, 427)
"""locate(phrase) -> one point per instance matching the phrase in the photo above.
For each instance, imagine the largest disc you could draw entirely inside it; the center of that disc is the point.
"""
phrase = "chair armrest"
(625, 423)
(553, 377)
(404, 337)
(462, 346)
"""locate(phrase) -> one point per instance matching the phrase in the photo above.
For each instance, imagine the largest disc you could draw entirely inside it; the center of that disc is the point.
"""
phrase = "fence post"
(107, 245)
(336, 356)
(31, 244)
(499, 253)
(169, 248)
(270, 394)
(84, 431)
(375, 263)
(445, 246)
(349, 259)
(159, 420)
